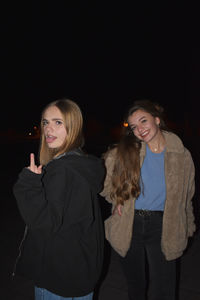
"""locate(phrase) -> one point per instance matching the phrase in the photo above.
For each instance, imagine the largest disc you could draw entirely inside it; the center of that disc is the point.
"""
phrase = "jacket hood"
(88, 166)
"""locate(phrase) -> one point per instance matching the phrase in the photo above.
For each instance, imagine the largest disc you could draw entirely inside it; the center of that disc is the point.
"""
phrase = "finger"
(32, 161)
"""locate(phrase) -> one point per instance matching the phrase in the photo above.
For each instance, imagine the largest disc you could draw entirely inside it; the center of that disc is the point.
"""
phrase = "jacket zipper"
(20, 251)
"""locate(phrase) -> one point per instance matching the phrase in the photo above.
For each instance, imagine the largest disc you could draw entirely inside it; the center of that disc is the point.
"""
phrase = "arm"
(41, 197)
(109, 163)
(109, 159)
(190, 194)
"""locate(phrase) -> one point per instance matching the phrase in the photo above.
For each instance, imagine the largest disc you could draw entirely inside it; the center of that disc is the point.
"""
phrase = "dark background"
(103, 55)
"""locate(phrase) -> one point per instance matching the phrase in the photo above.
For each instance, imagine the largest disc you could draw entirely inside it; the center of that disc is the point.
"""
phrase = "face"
(144, 125)
(54, 127)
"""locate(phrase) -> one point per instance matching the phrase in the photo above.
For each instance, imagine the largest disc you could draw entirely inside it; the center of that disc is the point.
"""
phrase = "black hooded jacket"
(63, 248)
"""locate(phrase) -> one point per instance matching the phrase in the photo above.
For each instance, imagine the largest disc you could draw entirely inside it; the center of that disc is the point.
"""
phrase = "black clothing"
(145, 263)
(63, 249)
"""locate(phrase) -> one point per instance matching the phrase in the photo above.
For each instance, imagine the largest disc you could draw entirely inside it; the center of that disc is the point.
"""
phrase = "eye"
(44, 122)
(58, 122)
(143, 121)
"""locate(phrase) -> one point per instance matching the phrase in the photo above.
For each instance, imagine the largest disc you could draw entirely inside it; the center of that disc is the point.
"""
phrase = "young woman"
(150, 182)
(62, 251)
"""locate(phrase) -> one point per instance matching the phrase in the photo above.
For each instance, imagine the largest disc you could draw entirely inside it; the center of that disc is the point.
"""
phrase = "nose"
(140, 128)
(48, 128)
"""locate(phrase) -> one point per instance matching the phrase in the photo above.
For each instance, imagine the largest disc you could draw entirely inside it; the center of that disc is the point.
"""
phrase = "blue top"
(153, 188)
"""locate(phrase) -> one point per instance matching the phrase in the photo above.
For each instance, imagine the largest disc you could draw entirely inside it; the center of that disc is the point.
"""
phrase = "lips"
(50, 139)
(144, 134)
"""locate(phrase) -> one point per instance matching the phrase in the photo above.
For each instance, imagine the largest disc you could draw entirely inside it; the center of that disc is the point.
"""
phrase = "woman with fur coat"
(150, 183)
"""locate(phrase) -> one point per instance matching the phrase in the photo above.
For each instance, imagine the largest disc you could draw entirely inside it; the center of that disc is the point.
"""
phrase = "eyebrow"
(54, 119)
(138, 120)
(142, 118)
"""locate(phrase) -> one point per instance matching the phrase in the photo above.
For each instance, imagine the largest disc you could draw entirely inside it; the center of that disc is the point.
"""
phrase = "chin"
(52, 147)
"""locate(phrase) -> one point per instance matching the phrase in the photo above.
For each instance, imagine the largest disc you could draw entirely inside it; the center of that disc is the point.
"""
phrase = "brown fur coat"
(178, 218)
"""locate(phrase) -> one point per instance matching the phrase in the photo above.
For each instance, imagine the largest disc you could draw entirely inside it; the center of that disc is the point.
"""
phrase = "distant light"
(35, 127)
(125, 124)
(30, 133)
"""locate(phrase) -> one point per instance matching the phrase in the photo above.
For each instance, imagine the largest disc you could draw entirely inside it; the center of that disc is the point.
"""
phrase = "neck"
(158, 145)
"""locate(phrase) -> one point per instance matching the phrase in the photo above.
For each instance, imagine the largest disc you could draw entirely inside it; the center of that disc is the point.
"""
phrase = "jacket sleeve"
(190, 194)
(41, 207)
(109, 159)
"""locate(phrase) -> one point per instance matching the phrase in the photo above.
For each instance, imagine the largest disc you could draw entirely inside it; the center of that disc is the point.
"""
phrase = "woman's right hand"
(33, 168)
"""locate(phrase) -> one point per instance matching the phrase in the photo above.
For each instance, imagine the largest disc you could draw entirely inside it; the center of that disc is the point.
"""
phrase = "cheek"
(63, 135)
(155, 127)
(136, 133)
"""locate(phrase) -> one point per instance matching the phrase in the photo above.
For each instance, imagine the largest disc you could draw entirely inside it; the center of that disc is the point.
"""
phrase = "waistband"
(144, 212)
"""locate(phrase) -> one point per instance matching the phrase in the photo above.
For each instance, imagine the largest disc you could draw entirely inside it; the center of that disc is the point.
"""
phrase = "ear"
(157, 121)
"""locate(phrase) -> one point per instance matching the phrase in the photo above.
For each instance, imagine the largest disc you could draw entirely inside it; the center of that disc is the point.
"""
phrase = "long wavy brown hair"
(126, 172)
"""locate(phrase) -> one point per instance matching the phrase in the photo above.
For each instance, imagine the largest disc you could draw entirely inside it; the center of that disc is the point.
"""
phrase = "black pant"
(145, 267)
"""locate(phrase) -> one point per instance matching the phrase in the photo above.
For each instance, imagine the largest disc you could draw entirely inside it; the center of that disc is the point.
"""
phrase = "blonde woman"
(62, 251)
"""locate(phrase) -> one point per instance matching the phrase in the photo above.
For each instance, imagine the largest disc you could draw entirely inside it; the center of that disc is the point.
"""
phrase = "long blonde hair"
(73, 119)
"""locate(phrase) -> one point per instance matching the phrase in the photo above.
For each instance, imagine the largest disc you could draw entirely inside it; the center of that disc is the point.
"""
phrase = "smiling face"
(54, 127)
(144, 125)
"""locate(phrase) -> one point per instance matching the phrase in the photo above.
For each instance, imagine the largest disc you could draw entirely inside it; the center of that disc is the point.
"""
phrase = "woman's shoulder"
(173, 142)
(110, 157)
(110, 153)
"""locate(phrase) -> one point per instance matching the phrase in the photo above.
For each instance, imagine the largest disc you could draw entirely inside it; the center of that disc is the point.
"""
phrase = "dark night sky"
(101, 55)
